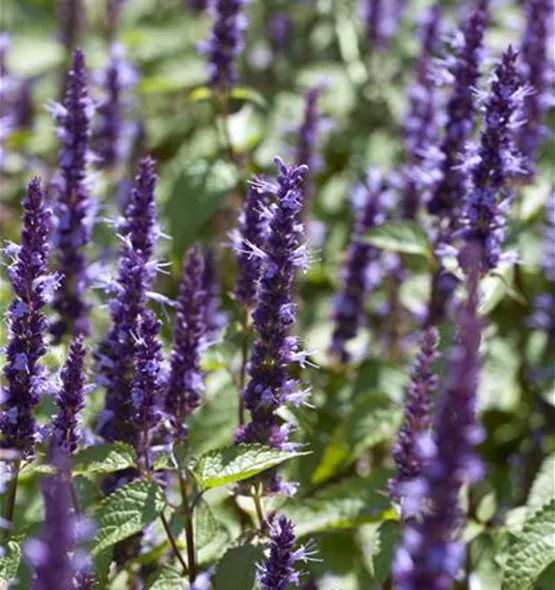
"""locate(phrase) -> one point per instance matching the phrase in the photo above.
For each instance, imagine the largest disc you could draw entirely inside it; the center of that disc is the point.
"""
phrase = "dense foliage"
(278, 295)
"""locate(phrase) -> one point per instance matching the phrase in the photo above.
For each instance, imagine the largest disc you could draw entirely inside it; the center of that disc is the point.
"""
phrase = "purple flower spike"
(225, 43)
(277, 572)
(112, 135)
(537, 72)
(360, 272)
(307, 136)
(420, 128)
(431, 552)
(417, 415)
(71, 398)
(56, 561)
(248, 242)
(32, 288)
(449, 192)
(488, 199)
(186, 380)
(284, 253)
(146, 386)
(73, 208)
(135, 273)
(382, 21)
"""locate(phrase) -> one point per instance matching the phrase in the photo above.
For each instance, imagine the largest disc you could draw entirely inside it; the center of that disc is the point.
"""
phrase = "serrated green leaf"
(9, 562)
(197, 192)
(101, 564)
(406, 237)
(533, 551)
(237, 565)
(104, 459)
(126, 512)
(378, 541)
(224, 466)
(164, 462)
(373, 419)
(165, 578)
(345, 505)
(543, 488)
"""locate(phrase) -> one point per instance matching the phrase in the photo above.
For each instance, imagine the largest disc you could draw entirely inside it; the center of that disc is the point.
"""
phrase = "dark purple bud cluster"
(431, 553)
(449, 192)
(307, 136)
(360, 272)
(27, 324)
(71, 398)
(488, 199)
(420, 128)
(417, 418)
(116, 356)
(248, 242)
(56, 561)
(270, 387)
(536, 52)
(225, 42)
(74, 211)
(278, 571)
(280, 28)
(112, 134)
(186, 379)
(382, 18)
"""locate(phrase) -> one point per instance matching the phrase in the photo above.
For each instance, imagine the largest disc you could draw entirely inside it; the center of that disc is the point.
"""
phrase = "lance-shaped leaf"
(406, 237)
(104, 459)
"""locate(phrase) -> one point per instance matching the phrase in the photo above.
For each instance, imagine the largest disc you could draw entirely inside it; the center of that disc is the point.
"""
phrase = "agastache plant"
(449, 191)
(489, 196)
(70, 398)
(27, 325)
(71, 16)
(270, 387)
(417, 416)
(74, 209)
(135, 273)
(360, 272)
(382, 19)
(537, 70)
(186, 379)
(431, 553)
(225, 43)
(277, 571)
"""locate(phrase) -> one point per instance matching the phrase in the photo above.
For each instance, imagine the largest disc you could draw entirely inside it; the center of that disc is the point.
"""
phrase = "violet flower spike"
(54, 557)
(420, 127)
(73, 207)
(307, 135)
(146, 386)
(360, 272)
(278, 571)
(431, 552)
(186, 380)
(537, 72)
(488, 199)
(449, 191)
(248, 242)
(225, 43)
(115, 357)
(382, 18)
(71, 398)
(417, 415)
(275, 349)
(27, 325)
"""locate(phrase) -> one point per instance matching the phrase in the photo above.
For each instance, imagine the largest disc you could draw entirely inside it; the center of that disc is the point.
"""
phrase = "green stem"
(189, 532)
(258, 506)
(173, 543)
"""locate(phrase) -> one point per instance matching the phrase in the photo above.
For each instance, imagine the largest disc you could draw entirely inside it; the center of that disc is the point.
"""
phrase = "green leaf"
(237, 565)
(9, 562)
(406, 237)
(345, 505)
(101, 562)
(248, 95)
(378, 542)
(543, 488)
(533, 551)
(165, 578)
(374, 419)
(126, 512)
(224, 466)
(103, 459)
(196, 194)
